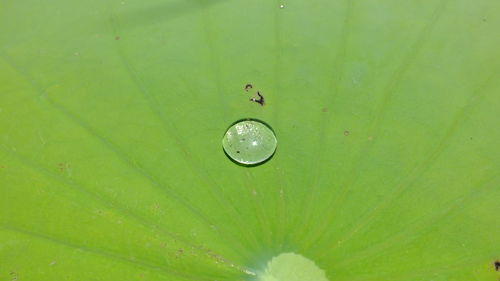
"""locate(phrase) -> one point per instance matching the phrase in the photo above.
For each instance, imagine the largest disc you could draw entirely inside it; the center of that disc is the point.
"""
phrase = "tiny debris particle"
(324, 109)
(248, 87)
(497, 265)
(52, 263)
(117, 38)
(282, 6)
(260, 100)
(346, 133)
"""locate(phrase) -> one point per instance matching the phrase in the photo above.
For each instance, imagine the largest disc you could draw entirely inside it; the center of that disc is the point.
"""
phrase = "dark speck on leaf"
(497, 265)
(248, 86)
(346, 133)
(237, 151)
(117, 38)
(260, 100)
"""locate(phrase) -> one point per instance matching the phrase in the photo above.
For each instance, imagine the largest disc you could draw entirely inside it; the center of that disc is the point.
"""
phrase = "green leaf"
(112, 115)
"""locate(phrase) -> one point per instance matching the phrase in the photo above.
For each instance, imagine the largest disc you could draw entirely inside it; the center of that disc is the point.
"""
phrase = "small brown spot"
(117, 38)
(248, 87)
(497, 265)
(179, 252)
(346, 133)
(324, 109)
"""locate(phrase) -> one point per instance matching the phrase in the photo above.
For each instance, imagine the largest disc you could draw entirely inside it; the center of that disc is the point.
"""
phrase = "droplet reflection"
(249, 142)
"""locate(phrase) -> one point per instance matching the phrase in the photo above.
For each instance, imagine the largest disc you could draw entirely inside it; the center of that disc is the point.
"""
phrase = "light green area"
(112, 114)
(292, 267)
(249, 142)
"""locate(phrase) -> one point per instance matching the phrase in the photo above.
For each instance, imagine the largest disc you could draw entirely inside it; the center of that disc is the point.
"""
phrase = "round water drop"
(282, 6)
(249, 142)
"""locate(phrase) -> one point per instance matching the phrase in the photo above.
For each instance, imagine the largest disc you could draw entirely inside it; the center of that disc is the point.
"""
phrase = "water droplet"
(249, 142)
(282, 6)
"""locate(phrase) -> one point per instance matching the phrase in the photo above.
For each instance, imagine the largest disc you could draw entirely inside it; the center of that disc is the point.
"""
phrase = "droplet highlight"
(249, 142)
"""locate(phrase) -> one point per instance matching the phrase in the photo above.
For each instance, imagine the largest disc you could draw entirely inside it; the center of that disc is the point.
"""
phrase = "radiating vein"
(170, 128)
(437, 269)
(425, 165)
(404, 235)
(103, 253)
(279, 178)
(389, 90)
(111, 146)
(333, 87)
(124, 211)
